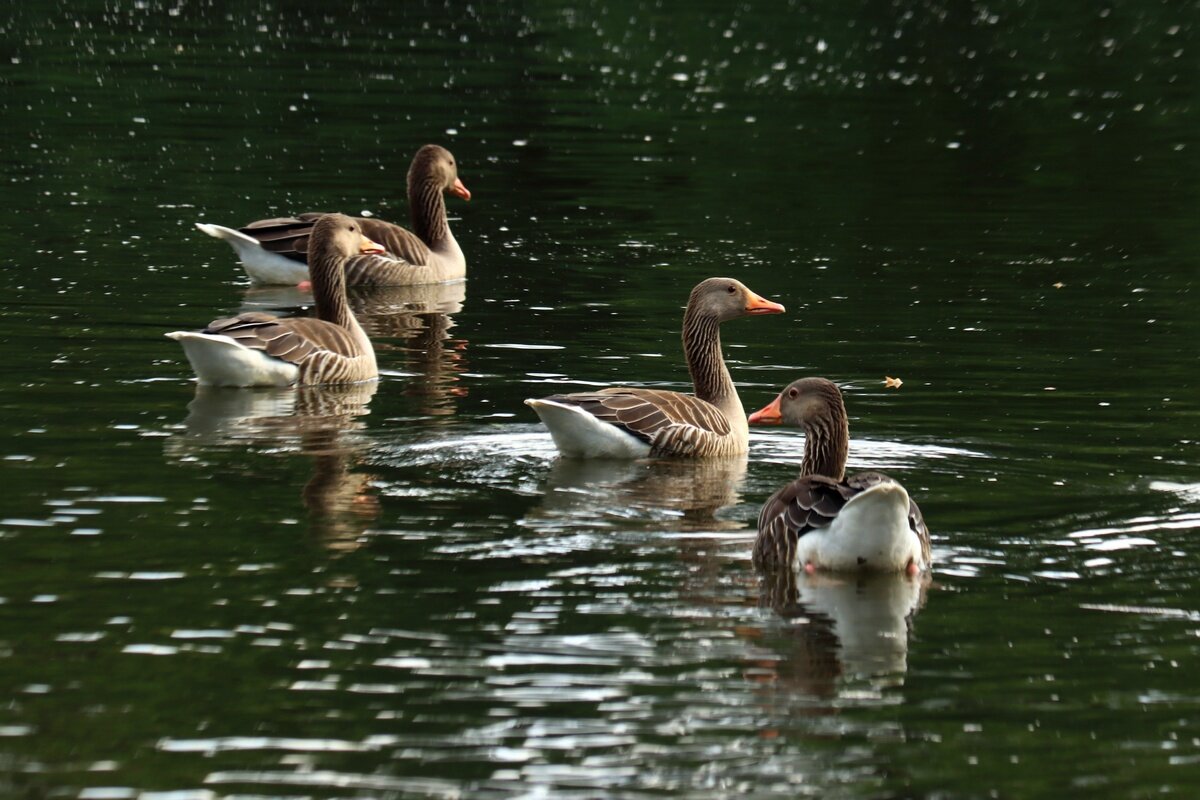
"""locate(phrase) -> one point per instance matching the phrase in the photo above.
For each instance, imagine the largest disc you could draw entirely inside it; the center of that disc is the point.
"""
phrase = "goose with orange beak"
(257, 349)
(275, 251)
(624, 422)
(823, 519)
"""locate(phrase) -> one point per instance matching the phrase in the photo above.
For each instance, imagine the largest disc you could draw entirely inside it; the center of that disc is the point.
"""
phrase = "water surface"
(399, 591)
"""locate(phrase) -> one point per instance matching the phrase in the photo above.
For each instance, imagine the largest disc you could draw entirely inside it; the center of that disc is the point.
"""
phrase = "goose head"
(805, 403)
(339, 236)
(435, 165)
(727, 298)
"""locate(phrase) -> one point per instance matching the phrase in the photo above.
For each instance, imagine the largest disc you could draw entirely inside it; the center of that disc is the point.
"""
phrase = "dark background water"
(398, 591)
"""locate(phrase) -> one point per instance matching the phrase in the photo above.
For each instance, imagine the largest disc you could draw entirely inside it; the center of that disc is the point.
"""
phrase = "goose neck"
(826, 445)
(427, 205)
(328, 276)
(702, 348)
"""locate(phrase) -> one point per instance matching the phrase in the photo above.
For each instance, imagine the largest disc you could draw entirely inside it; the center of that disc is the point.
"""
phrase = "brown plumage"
(812, 503)
(635, 421)
(427, 254)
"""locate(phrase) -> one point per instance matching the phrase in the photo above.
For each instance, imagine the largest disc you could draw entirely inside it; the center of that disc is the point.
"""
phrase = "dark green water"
(397, 591)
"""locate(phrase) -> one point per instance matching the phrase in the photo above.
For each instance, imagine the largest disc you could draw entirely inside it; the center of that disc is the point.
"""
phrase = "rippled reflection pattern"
(334, 594)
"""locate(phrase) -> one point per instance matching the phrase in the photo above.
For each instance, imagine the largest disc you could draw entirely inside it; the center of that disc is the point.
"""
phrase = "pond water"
(397, 590)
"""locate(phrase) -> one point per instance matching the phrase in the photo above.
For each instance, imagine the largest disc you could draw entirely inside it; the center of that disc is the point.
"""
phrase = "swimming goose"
(257, 349)
(631, 423)
(274, 251)
(824, 520)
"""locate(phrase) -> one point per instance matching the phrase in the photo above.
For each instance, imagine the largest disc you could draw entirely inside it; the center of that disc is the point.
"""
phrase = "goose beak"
(761, 305)
(768, 415)
(459, 189)
(371, 247)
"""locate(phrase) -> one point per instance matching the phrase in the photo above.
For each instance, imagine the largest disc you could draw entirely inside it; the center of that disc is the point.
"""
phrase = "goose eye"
(793, 392)
(731, 289)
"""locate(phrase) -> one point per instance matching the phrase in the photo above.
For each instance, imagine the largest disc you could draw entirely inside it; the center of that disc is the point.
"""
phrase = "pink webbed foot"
(809, 569)
(304, 286)
(911, 569)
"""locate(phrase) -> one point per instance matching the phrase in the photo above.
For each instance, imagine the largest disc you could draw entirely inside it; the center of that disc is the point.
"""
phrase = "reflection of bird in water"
(688, 492)
(413, 321)
(420, 318)
(838, 625)
(321, 422)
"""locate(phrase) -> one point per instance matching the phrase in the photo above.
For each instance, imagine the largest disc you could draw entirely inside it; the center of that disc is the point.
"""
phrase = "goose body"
(257, 349)
(824, 520)
(623, 422)
(275, 251)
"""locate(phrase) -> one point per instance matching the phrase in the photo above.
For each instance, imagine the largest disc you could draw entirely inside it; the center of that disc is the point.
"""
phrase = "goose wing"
(284, 236)
(805, 504)
(288, 237)
(400, 243)
(292, 339)
(667, 421)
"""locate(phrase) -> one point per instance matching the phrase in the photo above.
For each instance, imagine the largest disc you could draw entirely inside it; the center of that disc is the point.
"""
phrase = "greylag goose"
(824, 520)
(275, 251)
(632, 423)
(257, 349)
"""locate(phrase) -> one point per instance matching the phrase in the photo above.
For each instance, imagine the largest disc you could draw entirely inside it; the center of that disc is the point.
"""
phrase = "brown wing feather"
(650, 414)
(285, 236)
(293, 339)
(400, 242)
(288, 237)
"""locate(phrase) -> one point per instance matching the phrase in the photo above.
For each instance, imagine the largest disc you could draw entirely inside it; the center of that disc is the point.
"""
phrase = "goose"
(274, 251)
(257, 349)
(824, 520)
(623, 422)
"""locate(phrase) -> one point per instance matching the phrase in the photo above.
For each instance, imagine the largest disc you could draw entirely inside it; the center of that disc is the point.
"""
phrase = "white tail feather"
(260, 264)
(220, 361)
(578, 434)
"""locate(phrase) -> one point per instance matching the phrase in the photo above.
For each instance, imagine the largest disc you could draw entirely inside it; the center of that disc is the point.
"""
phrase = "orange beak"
(459, 189)
(768, 414)
(371, 247)
(761, 305)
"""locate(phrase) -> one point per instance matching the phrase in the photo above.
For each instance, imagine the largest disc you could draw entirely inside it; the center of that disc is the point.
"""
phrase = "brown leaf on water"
(892, 383)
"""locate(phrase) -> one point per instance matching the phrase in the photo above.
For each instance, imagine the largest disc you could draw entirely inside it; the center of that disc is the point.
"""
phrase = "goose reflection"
(839, 626)
(321, 422)
(687, 494)
(414, 322)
